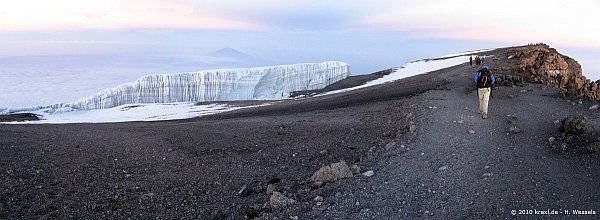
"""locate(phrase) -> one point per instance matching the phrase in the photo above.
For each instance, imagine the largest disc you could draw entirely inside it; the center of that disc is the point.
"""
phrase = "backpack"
(484, 80)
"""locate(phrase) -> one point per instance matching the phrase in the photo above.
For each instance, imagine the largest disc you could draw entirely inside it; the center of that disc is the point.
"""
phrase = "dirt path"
(450, 172)
(492, 172)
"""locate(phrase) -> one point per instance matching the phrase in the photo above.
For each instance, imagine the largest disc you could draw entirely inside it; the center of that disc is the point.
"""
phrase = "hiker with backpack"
(485, 81)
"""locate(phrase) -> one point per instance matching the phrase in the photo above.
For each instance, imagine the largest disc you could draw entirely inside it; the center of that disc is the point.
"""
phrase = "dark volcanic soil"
(348, 82)
(19, 117)
(195, 168)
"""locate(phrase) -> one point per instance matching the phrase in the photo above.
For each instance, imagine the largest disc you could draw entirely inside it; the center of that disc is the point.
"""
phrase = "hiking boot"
(484, 116)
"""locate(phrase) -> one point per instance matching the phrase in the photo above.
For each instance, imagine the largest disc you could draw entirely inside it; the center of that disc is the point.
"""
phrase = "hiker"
(477, 60)
(482, 59)
(471, 61)
(485, 81)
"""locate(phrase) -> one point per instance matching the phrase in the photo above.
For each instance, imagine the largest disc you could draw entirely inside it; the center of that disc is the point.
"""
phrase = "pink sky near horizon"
(559, 23)
(68, 15)
(556, 22)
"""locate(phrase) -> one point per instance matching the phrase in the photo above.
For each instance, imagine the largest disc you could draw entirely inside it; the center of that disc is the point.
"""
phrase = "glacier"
(66, 113)
(258, 83)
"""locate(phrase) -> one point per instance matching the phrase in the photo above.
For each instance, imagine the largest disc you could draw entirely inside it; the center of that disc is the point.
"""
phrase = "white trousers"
(484, 99)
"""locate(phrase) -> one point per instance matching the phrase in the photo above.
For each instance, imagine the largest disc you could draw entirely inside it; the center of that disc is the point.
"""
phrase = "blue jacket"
(476, 77)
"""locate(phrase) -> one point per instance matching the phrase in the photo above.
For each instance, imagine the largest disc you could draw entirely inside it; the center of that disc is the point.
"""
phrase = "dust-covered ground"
(453, 165)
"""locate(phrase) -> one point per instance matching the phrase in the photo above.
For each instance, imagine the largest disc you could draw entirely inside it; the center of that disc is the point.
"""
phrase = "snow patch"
(410, 69)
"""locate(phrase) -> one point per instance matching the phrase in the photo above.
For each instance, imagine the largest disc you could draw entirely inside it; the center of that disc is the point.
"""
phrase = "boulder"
(574, 124)
(278, 201)
(333, 172)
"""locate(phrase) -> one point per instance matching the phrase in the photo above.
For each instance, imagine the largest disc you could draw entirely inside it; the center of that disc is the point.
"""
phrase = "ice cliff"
(260, 83)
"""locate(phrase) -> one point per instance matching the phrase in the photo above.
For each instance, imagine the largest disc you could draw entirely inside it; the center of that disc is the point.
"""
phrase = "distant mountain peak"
(230, 53)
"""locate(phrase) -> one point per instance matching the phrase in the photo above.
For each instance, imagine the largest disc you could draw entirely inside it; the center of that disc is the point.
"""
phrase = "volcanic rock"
(542, 64)
(574, 124)
(278, 201)
(333, 172)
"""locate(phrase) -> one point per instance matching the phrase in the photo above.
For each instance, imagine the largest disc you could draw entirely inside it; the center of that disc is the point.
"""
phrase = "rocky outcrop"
(509, 80)
(541, 64)
(333, 172)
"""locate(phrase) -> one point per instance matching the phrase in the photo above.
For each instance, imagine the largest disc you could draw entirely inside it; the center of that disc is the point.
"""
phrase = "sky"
(370, 35)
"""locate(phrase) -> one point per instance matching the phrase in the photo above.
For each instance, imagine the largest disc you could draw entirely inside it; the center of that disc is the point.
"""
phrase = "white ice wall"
(260, 83)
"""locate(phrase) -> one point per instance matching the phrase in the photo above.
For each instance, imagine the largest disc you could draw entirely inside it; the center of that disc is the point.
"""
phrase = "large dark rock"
(574, 124)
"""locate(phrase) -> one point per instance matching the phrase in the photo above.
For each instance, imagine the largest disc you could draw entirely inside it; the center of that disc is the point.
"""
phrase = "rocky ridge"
(542, 64)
